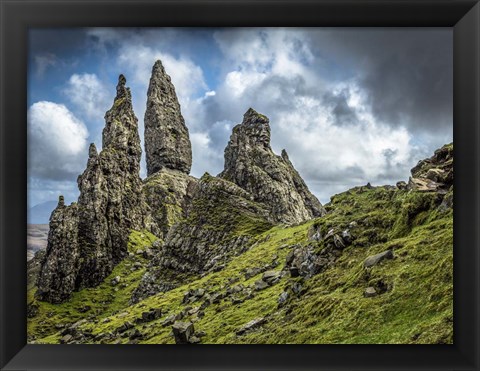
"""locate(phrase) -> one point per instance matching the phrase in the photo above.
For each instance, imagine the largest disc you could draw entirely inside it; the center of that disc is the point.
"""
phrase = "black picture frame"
(18, 16)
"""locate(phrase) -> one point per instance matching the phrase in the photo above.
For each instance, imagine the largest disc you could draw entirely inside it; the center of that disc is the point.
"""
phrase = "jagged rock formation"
(251, 164)
(168, 193)
(58, 273)
(434, 173)
(86, 240)
(167, 144)
(379, 254)
(220, 223)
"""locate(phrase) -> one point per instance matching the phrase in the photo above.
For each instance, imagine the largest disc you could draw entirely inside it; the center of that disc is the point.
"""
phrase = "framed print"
(294, 185)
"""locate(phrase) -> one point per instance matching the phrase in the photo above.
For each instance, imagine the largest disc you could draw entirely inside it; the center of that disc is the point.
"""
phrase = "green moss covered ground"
(415, 307)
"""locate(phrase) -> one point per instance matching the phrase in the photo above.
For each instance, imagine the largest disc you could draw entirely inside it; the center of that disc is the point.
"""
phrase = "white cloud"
(88, 94)
(205, 157)
(285, 74)
(57, 142)
(275, 72)
(186, 75)
(137, 59)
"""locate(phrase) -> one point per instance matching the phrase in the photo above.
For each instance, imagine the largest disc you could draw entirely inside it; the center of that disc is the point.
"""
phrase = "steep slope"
(377, 268)
(168, 193)
(251, 164)
(221, 221)
(87, 239)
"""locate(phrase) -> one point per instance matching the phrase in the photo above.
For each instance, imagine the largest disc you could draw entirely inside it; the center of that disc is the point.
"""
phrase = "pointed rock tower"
(168, 188)
(251, 164)
(87, 239)
(167, 144)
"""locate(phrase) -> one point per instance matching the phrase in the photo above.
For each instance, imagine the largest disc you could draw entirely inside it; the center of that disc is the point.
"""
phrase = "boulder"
(338, 241)
(183, 331)
(377, 258)
(65, 339)
(260, 285)
(271, 277)
(252, 325)
(151, 315)
(282, 299)
(115, 281)
(370, 292)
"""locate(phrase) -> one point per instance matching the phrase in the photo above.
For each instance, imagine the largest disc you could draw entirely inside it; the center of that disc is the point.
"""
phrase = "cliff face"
(168, 193)
(93, 234)
(167, 143)
(59, 269)
(220, 223)
(251, 164)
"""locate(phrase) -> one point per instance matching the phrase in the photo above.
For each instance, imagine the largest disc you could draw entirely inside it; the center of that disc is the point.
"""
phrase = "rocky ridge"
(230, 263)
(87, 239)
(221, 222)
(434, 173)
(352, 275)
(251, 164)
(168, 193)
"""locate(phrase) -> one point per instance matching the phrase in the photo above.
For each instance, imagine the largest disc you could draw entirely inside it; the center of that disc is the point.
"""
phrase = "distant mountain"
(40, 214)
(37, 238)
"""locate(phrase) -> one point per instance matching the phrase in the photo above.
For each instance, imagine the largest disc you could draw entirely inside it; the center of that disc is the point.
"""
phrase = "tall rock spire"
(271, 179)
(87, 239)
(167, 143)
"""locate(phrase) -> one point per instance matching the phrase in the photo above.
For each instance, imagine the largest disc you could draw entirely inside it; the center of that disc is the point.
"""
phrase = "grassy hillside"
(413, 301)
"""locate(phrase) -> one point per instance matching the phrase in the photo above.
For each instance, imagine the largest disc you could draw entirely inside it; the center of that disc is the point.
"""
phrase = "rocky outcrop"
(251, 164)
(220, 223)
(168, 193)
(377, 258)
(60, 266)
(87, 239)
(434, 173)
(167, 144)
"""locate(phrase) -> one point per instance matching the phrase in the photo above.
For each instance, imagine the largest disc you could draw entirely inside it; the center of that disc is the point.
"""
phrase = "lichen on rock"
(88, 239)
(220, 223)
(271, 179)
(167, 143)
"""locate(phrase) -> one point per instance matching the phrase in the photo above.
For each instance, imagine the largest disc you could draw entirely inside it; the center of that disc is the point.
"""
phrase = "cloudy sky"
(349, 105)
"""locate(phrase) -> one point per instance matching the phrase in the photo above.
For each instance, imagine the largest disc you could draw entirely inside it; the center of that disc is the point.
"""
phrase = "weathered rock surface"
(251, 164)
(370, 292)
(167, 144)
(252, 325)
(168, 193)
(219, 224)
(377, 258)
(183, 332)
(59, 270)
(320, 254)
(34, 266)
(87, 239)
(434, 173)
